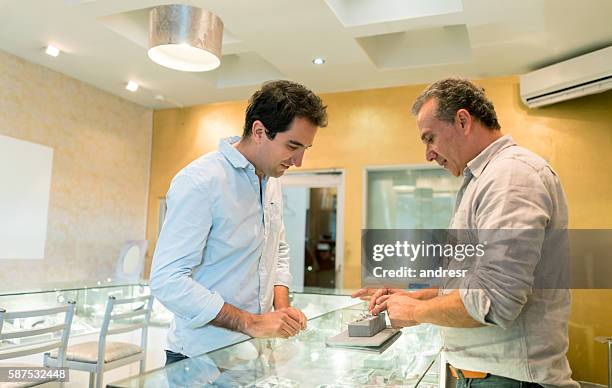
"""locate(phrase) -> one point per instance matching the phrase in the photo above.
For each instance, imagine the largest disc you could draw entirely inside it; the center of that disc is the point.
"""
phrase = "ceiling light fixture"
(318, 61)
(132, 86)
(185, 38)
(52, 50)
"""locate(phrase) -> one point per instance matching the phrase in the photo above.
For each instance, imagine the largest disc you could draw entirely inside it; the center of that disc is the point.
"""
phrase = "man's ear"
(258, 131)
(463, 120)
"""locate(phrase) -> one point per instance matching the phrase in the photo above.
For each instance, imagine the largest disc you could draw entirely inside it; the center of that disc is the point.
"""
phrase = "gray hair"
(453, 94)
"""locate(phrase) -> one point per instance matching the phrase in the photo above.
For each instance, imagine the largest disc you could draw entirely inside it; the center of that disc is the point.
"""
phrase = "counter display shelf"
(90, 298)
(305, 361)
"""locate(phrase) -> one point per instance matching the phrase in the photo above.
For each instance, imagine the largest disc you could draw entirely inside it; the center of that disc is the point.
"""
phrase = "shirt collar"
(477, 165)
(226, 147)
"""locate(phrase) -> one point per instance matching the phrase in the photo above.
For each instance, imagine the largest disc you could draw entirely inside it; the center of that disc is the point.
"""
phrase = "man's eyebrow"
(297, 143)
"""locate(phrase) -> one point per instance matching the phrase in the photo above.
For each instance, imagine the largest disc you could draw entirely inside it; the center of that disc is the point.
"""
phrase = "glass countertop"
(305, 361)
(37, 288)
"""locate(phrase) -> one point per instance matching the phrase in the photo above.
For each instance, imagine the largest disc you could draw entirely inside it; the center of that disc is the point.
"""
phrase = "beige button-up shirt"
(525, 336)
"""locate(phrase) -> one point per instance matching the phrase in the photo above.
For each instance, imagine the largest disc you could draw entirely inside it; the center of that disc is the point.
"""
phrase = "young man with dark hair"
(499, 328)
(221, 261)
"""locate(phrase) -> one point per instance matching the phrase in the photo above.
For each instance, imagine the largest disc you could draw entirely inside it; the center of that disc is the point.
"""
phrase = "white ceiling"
(366, 43)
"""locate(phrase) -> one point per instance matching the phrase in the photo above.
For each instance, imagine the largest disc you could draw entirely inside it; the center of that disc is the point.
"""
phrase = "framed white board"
(25, 183)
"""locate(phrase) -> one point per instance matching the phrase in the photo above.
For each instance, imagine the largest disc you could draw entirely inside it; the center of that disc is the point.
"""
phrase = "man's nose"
(430, 155)
(297, 158)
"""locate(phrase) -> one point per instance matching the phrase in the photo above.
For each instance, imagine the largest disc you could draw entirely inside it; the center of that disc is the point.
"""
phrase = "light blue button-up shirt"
(222, 241)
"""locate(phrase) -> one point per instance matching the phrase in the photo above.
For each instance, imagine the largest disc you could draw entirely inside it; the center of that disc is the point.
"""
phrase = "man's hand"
(283, 323)
(424, 293)
(400, 308)
(373, 294)
(364, 293)
(297, 314)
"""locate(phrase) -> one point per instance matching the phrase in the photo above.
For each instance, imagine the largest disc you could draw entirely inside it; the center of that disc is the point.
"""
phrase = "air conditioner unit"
(587, 74)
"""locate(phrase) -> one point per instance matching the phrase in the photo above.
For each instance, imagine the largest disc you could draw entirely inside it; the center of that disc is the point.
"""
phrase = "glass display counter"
(90, 298)
(305, 360)
(315, 304)
(41, 288)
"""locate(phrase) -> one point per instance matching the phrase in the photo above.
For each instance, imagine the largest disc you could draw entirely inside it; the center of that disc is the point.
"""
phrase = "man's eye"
(292, 148)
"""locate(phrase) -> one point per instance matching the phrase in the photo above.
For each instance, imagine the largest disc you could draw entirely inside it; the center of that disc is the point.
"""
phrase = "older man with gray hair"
(499, 329)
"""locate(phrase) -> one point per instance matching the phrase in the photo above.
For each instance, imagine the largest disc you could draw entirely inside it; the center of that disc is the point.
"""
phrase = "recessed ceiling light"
(52, 50)
(318, 61)
(131, 86)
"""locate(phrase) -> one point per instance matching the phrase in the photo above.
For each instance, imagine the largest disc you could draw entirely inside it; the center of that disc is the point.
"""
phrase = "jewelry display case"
(305, 360)
(90, 299)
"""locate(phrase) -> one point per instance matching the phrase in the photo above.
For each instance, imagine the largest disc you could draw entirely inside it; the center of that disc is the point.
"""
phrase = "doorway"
(313, 217)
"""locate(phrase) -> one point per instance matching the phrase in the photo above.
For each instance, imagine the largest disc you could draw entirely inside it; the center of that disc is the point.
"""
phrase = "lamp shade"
(185, 38)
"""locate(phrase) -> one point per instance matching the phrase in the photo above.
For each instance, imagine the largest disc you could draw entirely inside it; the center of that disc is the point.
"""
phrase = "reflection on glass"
(90, 303)
(304, 361)
(131, 259)
(410, 198)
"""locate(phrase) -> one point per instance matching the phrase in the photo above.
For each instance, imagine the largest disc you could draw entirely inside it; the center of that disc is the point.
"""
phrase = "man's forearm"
(281, 297)
(425, 293)
(232, 318)
(445, 310)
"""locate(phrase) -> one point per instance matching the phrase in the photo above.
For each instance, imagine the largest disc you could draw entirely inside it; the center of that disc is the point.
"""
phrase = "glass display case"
(90, 298)
(305, 360)
(315, 302)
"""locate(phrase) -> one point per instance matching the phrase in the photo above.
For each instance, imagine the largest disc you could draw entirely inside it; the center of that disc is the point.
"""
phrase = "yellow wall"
(374, 127)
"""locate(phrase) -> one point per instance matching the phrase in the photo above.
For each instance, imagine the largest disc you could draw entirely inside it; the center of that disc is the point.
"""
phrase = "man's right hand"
(373, 294)
(284, 323)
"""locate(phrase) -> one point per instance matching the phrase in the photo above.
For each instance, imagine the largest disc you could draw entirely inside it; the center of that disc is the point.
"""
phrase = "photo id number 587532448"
(32, 374)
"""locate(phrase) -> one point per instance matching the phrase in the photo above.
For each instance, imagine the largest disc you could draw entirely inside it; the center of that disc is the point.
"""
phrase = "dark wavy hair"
(453, 94)
(277, 103)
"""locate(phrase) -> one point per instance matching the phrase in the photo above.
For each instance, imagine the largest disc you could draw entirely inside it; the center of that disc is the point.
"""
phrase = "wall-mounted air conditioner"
(587, 74)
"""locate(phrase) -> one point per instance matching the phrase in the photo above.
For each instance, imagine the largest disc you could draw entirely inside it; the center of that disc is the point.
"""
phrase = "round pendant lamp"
(185, 38)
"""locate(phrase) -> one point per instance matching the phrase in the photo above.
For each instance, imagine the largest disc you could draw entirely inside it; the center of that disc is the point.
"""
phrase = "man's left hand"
(400, 308)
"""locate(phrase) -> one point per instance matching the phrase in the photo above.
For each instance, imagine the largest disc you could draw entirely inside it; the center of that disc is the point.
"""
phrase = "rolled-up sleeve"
(179, 250)
(477, 304)
(283, 273)
(513, 211)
